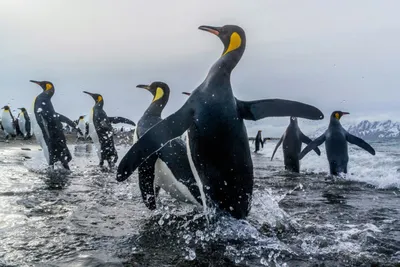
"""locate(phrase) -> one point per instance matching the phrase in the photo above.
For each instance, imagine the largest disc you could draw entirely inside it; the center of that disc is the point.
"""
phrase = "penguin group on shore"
(200, 154)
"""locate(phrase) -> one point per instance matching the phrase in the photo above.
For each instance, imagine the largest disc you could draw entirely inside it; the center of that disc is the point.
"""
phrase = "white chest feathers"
(82, 127)
(165, 179)
(8, 123)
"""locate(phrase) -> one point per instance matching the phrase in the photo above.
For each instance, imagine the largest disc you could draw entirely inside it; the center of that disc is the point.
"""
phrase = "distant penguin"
(82, 127)
(169, 168)
(24, 123)
(259, 141)
(217, 141)
(8, 122)
(336, 138)
(292, 140)
(48, 128)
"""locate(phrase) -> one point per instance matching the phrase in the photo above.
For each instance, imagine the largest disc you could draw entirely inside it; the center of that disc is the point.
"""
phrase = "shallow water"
(86, 218)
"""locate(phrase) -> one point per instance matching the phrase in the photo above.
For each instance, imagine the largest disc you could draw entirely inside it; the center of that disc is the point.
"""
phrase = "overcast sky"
(332, 54)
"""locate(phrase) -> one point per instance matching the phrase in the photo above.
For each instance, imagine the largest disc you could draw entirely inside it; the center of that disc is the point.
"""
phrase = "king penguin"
(101, 131)
(82, 127)
(24, 122)
(217, 143)
(8, 122)
(48, 128)
(169, 168)
(292, 140)
(336, 138)
(259, 140)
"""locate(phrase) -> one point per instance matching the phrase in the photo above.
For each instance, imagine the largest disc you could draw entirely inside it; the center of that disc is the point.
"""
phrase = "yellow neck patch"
(337, 116)
(159, 94)
(99, 98)
(48, 86)
(234, 43)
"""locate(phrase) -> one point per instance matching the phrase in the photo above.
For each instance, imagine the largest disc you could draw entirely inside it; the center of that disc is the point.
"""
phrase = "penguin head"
(337, 115)
(46, 86)
(232, 36)
(293, 119)
(23, 110)
(81, 117)
(6, 108)
(97, 97)
(159, 90)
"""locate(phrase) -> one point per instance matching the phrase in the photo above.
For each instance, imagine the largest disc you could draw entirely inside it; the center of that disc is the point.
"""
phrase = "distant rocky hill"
(370, 130)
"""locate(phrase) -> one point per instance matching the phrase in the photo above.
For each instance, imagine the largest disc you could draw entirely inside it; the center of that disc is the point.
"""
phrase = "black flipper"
(146, 183)
(311, 146)
(66, 120)
(116, 120)
(359, 142)
(154, 139)
(276, 147)
(306, 140)
(258, 109)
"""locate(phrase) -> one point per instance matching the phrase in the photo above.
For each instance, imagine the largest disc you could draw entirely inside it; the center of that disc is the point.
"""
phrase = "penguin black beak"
(211, 29)
(186, 93)
(345, 113)
(92, 95)
(32, 81)
(88, 93)
(147, 87)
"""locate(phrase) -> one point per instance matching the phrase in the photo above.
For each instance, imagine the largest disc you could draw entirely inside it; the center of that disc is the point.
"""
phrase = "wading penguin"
(217, 143)
(8, 122)
(48, 128)
(292, 140)
(169, 168)
(336, 138)
(101, 131)
(82, 127)
(259, 141)
(24, 123)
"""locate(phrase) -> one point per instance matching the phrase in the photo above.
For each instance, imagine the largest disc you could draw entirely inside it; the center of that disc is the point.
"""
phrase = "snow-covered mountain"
(369, 130)
(376, 130)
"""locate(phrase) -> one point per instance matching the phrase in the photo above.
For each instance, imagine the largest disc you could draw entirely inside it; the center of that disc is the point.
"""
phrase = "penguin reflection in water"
(292, 140)
(8, 123)
(336, 138)
(101, 131)
(217, 141)
(168, 168)
(48, 128)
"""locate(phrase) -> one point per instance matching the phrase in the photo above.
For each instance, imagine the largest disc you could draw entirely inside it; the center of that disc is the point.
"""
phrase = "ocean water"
(86, 218)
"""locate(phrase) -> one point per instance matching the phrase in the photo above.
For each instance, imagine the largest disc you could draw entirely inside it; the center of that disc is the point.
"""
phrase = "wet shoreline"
(86, 218)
